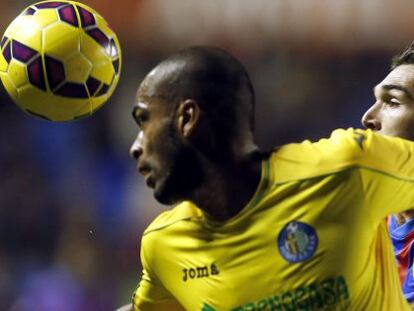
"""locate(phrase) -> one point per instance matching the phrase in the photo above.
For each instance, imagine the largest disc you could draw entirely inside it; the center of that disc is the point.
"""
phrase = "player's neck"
(228, 187)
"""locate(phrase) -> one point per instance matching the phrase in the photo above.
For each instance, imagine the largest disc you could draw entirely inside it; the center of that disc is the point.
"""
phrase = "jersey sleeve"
(150, 293)
(386, 167)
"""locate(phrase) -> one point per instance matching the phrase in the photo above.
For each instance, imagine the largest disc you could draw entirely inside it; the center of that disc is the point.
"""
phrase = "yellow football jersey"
(313, 237)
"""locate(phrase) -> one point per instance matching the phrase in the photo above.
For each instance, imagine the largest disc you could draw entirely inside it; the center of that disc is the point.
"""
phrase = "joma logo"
(200, 272)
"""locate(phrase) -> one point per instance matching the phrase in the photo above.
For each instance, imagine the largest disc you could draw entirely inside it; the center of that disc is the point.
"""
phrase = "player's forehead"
(399, 80)
(146, 101)
(147, 89)
(161, 77)
(151, 85)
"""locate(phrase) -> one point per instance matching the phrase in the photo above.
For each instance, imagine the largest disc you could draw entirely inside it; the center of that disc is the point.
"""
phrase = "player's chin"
(150, 181)
(165, 195)
(164, 198)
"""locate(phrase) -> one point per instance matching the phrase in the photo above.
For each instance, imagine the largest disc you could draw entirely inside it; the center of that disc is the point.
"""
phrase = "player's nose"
(370, 119)
(136, 149)
(135, 153)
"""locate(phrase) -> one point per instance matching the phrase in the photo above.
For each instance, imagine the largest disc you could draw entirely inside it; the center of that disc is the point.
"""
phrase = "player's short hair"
(406, 57)
(217, 80)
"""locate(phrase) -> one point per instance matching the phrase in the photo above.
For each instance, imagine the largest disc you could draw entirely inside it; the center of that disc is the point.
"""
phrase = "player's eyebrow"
(390, 87)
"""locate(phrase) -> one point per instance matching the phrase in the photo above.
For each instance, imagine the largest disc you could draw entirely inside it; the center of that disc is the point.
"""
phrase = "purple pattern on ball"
(29, 11)
(68, 15)
(49, 5)
(92, 85)
(22, 52)
(116, 66)
(75, 90)
(99, 37)
(55, 72)
(35, 73)
(87, 18)
(7, 52)
(3, 41)
(104, 89)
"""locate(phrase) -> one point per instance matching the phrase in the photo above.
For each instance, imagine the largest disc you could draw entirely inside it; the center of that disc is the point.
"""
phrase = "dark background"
(72, 206)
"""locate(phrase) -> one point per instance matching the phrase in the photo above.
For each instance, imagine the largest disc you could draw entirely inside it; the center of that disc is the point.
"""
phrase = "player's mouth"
(146, 172)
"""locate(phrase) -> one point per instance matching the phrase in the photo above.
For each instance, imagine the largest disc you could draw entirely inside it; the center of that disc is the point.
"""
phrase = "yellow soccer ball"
(60, 60)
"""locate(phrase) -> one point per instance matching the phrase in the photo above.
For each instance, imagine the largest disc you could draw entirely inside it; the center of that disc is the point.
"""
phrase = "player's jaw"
(162, 181)
(175, 181)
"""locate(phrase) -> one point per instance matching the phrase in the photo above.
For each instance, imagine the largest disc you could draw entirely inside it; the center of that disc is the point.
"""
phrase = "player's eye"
(393, 103)
(140, 119)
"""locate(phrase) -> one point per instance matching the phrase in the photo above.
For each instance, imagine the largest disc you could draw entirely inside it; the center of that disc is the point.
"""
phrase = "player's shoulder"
(184, 211)
(339, 139)
(346, 144)
(347, 141)
(341, 150)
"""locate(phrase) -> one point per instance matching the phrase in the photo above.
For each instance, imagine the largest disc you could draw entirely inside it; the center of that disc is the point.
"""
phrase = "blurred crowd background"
(72, 206)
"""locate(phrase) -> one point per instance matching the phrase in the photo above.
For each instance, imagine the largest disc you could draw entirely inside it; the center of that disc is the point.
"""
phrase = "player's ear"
(188, 117)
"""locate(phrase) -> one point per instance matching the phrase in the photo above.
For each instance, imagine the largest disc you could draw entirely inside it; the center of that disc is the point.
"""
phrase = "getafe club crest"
(297, 241)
